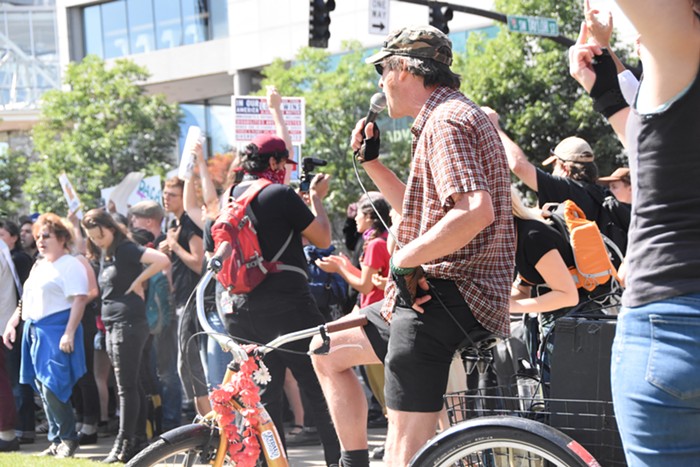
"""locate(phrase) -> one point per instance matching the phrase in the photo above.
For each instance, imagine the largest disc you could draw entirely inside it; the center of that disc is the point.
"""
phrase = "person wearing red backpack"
(282, 302)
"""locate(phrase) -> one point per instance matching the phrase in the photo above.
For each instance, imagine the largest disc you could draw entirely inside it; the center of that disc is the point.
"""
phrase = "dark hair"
(11, 227)
(13, 230)
(55, 225)
(101, 219)
(433, 73)
(141, 236)
(175, 182)
(582, 171)
(254, 162)
(382, 212)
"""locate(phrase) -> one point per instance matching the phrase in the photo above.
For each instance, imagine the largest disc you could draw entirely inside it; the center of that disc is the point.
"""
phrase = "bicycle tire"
(502, 441)
(185, 446)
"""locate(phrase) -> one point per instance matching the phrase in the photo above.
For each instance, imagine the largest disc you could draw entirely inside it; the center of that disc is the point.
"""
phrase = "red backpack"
(246, 268)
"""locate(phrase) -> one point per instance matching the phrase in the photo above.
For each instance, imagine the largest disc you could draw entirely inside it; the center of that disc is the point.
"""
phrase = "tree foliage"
(337, 92)
(100, 127)
(13, 172)
(526, 80)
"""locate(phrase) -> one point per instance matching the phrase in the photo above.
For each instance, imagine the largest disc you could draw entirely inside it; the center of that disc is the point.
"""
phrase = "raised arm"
(670, 37)
(388, 183)
(517, 160)
(274, 102)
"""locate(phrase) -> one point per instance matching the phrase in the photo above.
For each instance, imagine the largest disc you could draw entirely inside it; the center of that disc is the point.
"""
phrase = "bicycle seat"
(479, 339)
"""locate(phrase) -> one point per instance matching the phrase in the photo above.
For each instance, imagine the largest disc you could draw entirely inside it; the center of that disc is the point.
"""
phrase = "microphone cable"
(431, 288)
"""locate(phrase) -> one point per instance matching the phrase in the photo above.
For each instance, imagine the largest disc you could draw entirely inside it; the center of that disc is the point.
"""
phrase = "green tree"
(337, 92)
(97, 130)
(13, 173)
(526, 80)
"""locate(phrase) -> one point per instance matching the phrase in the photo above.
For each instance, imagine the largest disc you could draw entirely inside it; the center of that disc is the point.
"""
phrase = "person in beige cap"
(619, 184)
(456, 235)
(574, 176)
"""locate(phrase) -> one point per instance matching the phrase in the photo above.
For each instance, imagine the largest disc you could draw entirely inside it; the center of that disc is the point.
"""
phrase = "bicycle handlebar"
(228, 344)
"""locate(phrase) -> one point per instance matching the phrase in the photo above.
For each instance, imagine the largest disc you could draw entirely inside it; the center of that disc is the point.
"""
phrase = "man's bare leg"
(407, 433)
(344, 395)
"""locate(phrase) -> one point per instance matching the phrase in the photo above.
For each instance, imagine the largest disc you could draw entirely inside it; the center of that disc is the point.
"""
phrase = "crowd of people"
(432, 263)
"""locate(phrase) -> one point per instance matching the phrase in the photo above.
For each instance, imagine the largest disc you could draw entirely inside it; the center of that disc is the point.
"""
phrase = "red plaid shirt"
(457, 150)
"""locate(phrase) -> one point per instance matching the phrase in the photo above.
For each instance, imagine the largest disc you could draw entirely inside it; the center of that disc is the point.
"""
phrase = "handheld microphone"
(376, 104)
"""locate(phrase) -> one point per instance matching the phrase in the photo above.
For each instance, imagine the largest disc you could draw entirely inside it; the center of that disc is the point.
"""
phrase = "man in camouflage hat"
(455, 241)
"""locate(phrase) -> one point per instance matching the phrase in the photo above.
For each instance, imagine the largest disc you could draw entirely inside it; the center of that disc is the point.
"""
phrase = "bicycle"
(499, 425)
(202, 441)
(480, 442)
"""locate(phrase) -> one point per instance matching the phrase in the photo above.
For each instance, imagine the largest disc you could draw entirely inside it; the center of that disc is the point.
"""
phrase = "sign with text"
(536, 25)
(70, 195)
(148, 188)
(378, 20)
(252, 117)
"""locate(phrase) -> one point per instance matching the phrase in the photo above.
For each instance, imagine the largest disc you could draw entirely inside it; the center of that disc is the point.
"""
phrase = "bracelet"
(399, 271)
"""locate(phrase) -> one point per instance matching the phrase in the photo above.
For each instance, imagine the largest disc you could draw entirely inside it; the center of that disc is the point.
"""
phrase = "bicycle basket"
(590, 422)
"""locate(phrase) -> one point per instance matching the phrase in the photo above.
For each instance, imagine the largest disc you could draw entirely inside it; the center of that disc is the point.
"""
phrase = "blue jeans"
(59, 415)
(216, 358)
(165, 354)
(655, 380)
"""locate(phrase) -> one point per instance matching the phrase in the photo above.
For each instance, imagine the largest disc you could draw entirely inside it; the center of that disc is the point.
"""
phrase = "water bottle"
(529, 387)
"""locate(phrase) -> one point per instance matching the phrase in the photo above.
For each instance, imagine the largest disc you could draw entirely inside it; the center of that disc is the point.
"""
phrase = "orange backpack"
(593, 264)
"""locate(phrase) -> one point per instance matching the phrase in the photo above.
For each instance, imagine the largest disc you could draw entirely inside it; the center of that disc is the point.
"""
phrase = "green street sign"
(536, 25)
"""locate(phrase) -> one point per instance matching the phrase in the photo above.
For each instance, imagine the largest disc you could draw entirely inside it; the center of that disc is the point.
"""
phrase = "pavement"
(298, 456)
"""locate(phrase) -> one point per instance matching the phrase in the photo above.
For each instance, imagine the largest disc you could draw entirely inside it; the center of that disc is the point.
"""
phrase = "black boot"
(115, 454)
(130, 448)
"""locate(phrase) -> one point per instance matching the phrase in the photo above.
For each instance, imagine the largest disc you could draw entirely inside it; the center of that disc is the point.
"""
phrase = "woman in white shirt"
(53, 355)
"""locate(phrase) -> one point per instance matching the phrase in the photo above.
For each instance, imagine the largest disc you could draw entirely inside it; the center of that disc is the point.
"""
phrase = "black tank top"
(663, 255)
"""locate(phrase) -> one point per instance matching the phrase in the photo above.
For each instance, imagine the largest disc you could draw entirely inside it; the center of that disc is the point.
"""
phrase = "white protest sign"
(252, 117)
(149, 188)
(71, 196)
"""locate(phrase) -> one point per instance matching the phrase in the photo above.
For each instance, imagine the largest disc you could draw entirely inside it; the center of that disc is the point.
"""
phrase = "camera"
(308, 164)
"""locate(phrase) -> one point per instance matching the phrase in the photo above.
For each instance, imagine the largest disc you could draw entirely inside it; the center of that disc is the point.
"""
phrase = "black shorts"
(417, 348)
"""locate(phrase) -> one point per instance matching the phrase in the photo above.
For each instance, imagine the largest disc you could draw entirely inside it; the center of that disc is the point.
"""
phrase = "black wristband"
(610, 102)
(606, 93)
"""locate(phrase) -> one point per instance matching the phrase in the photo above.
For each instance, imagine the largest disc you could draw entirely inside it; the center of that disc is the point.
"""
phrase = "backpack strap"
(246, 198)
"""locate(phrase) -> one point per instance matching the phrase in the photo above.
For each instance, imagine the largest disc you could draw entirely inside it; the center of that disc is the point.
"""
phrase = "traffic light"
(319, 22)
(440, 16)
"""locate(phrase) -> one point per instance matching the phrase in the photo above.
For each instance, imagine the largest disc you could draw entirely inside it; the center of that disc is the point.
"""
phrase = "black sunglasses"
(380, 68)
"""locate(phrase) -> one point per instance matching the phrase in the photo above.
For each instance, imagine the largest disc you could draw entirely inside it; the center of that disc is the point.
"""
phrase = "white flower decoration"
(262, 376)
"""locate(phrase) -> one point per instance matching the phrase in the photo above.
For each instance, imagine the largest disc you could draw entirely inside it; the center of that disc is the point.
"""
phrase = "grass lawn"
(27, 460)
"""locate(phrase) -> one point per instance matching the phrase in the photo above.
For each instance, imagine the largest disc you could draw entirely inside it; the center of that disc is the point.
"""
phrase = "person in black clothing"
(282, 302)
(544, 284)
(184, 244)
(121, 279)
(574, 177)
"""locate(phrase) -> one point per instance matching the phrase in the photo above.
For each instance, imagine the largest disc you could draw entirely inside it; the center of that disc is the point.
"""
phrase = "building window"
(141, 26)
(124, 27)
(114, 31)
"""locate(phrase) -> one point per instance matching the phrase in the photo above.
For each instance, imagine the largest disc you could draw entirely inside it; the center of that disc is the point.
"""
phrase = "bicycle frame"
(265, 431)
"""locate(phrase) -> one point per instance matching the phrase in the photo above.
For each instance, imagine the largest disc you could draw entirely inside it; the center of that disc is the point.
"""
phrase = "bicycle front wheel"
(503, 442)
(189, 445)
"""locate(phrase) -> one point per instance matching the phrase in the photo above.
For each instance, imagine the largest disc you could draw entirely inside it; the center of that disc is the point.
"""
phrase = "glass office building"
(29, 63)
(126, 27)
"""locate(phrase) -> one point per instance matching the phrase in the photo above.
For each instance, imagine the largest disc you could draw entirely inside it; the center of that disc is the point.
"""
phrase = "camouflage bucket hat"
(419, 42)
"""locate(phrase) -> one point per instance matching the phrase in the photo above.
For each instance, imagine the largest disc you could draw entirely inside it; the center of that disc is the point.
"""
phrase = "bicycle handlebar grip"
(346, 324)
(222, 253)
